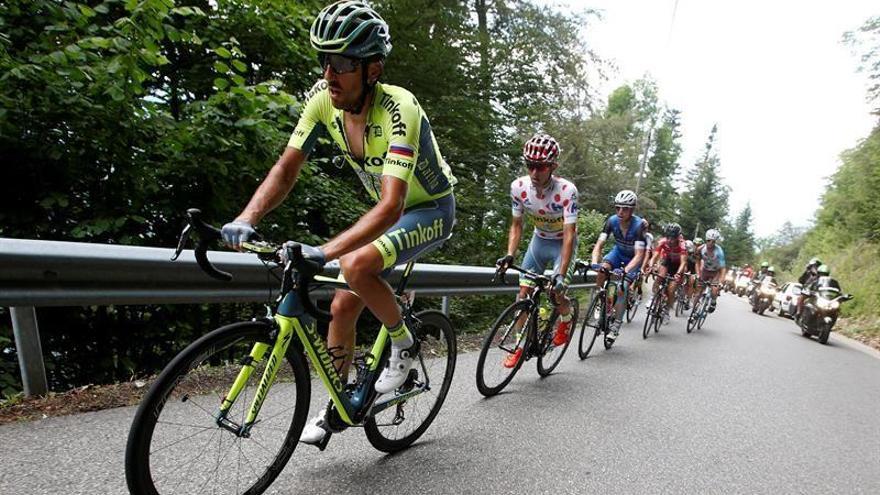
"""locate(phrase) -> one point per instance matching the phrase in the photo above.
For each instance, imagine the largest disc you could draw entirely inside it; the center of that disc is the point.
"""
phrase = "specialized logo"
(393, 108)
(323, 356)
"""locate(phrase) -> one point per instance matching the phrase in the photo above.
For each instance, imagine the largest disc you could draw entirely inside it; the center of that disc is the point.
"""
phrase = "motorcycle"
(763, 296)
(820, 312)
(729, 282)
(742, 285)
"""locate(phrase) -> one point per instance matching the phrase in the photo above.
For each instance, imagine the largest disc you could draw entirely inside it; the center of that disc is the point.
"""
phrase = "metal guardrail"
(53, 273)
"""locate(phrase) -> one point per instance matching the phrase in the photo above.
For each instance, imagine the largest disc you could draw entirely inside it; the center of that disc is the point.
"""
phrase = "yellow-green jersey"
(398, 141)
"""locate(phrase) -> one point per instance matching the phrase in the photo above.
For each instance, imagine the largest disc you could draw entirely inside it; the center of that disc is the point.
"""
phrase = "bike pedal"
(324, 441)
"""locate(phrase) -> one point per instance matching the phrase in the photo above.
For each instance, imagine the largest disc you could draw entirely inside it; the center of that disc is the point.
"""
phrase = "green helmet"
(815, 262)
(823, 270)
(698, 240)
(352, 29)
(764, 264)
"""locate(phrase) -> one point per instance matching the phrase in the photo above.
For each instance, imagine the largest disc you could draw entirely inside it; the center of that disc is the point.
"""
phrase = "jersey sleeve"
(311, 121)
(403, 145)
(640, 236)
(517, 207)
(607, 230)
(570, 212)
(721, 260)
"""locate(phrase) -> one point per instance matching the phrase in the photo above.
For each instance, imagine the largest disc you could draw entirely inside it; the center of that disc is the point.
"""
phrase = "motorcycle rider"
(822, 282)
(806, 279)
(769, 275)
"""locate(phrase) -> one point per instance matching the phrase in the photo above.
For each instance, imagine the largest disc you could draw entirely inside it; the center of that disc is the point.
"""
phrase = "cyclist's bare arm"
(597, 250)
(636, 261)
(275, 187)
(374, 222)
(515, 234)
(569, 233)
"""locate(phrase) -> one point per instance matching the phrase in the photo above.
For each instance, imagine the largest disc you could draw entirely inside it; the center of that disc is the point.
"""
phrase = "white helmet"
(713, 235)
(626, 198)
(689, 245)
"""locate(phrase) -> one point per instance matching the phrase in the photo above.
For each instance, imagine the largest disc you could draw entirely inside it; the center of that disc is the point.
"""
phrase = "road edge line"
(855, 344)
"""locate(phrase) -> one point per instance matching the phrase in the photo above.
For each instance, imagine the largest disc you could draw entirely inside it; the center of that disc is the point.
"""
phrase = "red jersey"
(677, 254)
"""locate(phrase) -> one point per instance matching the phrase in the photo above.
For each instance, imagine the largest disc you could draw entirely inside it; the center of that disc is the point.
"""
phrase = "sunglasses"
(623, 208)
(539, 166)
(339, 64)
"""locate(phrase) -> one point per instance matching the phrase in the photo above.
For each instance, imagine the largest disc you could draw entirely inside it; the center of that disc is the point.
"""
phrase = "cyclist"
(711, 265)
(629, 249)
(551, 203)
(671, 253)
(690, 273)
(649, 251)
(385, 136)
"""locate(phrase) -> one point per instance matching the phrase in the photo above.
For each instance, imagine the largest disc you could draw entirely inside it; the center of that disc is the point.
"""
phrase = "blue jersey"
(627, 242)
(713, 262)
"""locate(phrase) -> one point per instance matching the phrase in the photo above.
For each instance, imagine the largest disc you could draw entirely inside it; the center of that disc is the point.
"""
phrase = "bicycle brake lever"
(184, 236)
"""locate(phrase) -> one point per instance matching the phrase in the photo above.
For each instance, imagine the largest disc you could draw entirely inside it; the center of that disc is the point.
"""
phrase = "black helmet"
(672, 230)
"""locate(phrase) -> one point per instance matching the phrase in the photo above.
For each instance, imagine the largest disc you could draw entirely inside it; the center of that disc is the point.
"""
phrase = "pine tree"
(704, 205)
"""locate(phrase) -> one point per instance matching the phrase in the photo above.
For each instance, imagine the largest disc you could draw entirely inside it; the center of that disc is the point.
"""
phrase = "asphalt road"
(745, 405)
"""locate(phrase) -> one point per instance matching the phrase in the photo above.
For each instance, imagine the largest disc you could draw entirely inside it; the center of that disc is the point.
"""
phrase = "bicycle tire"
(703, 313)
(515, 309)
(551, 355)
(694, 316)
(437, 337)
(204, 367)
(650, 316)
(632, 305)
(594, 329)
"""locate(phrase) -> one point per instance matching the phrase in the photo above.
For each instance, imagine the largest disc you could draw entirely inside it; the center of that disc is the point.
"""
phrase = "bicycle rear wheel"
(509, 333)
(398, 426)
(594, 320)
(176, 446)
(551, 355)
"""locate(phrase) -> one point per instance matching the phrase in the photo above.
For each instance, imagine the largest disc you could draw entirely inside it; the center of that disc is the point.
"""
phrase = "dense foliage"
(117, 115)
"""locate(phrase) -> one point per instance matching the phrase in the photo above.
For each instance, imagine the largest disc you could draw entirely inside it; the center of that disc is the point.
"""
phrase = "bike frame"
(291, 319)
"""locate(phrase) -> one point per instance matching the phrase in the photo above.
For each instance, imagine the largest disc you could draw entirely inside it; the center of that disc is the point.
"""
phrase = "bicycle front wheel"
(176, 444)
(651, 315)
(495, 366)
(552, 354)
(695, 315)
(632, 304)
(594, 320)
(398, 426)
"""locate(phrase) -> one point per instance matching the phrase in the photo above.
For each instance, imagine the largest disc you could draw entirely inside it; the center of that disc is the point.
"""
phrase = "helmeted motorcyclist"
(807, 278)
(822, 283)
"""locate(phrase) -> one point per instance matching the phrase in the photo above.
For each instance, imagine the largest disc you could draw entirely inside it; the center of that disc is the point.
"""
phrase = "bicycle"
(524, 324)
(701, 305)
(634, 299)
(602, 322)
(654, 317)
(681, 296)
(209, 421)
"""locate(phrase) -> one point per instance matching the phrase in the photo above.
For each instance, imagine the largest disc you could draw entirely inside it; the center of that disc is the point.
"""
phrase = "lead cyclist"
(384, 134)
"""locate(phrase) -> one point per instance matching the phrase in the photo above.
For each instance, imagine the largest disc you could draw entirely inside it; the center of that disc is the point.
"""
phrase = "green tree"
(739, 243)
(704, 206)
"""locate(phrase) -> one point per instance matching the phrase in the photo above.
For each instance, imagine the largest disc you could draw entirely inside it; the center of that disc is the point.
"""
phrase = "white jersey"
(649, 241)
(549, 209)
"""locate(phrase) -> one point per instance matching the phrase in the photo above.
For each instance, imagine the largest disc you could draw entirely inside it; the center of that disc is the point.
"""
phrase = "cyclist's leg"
(420, 229)
(346, 308)
(562, 299)
(530, 262)
(663, 271)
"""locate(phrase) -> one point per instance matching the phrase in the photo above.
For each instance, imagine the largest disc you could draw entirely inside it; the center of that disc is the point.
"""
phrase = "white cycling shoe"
(316, 429)
(395, 373)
